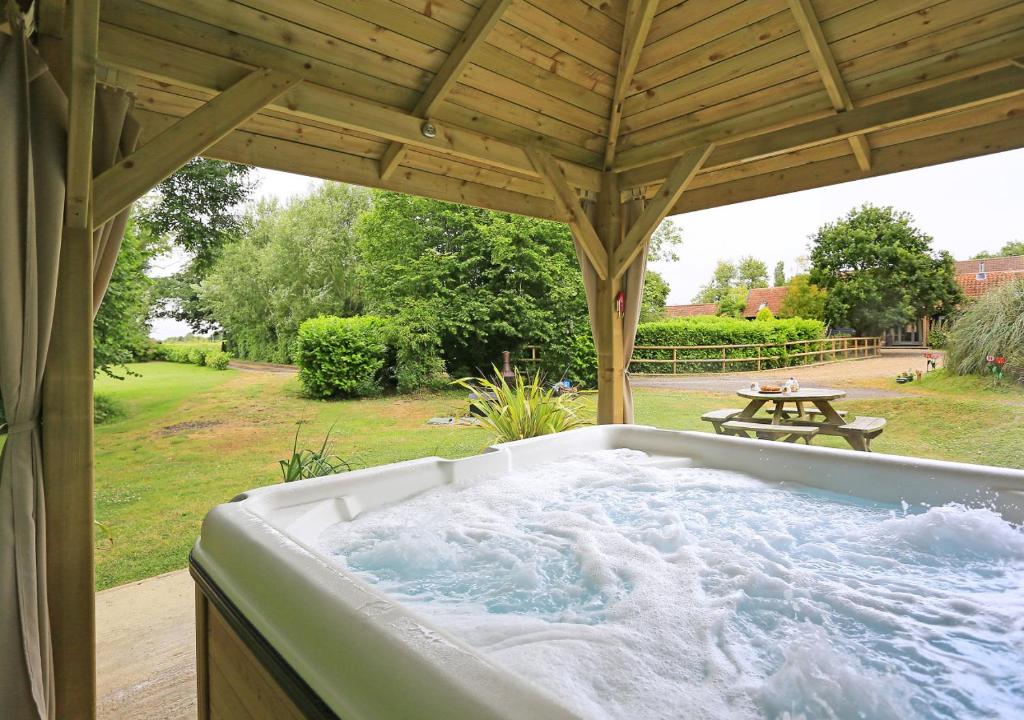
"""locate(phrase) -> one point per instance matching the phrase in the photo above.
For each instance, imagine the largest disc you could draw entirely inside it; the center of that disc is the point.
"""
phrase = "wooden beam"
(130, 179)
(568, 203)
(436, 93)
(85, 23)
(901, 110)
(658, 208)
(639, 15)
(835, 86)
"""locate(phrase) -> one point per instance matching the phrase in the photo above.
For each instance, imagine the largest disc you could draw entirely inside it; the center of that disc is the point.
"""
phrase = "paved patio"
(145, 649)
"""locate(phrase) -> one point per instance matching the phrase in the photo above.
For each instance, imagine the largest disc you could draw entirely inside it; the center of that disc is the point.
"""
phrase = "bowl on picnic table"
(771, 389)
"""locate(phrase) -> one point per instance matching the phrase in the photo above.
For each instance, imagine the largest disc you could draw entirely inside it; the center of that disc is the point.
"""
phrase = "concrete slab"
(145, 648)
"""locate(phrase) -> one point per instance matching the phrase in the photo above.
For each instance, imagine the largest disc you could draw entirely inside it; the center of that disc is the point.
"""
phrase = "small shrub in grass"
(197, 356)
(218, 360)
(342, 357)
(305, 464)
(523, 409)
(106, 409)
(765, 314)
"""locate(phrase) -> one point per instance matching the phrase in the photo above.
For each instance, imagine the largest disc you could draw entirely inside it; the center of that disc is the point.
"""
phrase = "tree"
(803, 299)
(733, 302)
(494, 281)
(652, 306)
(120, 328)
(751, 273)
(291, 263)
(880, 271)
(780, 274)
(723, 278)
(664, 243)
(194, 209)
(1014, 247)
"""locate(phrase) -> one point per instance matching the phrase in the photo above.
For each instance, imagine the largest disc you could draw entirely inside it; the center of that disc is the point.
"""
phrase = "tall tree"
(196, 210)
(730, 284)
(722, 279)
(803, 299)
(780, 274)
(880, 271)
(751, 273)
(291, 263)
(1014, 247)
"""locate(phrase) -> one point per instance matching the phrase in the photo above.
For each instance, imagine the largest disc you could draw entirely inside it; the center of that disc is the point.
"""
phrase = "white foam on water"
(630, 591)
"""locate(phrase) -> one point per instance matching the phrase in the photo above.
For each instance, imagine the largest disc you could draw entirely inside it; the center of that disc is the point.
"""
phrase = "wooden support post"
(67, 413)
(610, 361)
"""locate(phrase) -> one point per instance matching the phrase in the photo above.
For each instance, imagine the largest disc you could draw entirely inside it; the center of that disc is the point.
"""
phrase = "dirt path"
(853, 376)
(251, 366)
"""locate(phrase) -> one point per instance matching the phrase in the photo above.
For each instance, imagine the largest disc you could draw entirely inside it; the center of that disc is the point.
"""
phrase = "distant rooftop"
(1008, 263)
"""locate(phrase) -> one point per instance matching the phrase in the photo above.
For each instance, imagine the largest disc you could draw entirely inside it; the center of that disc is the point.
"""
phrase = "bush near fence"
(695, 332)
(193, 352)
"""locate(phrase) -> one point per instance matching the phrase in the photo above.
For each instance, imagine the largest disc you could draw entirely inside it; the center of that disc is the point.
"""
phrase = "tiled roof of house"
(1009, 263)
(975, 287)
(678, 311)
(770, 298)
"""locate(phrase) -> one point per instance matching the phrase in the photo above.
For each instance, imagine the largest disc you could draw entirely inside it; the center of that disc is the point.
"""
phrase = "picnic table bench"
(789, 423)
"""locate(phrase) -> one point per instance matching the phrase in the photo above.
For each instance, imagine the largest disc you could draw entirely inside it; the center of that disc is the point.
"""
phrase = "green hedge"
(193, 352)
(342, 357)
(707, 331)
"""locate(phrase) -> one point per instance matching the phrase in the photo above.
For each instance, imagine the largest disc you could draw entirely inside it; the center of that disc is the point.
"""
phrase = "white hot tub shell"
(357, 654)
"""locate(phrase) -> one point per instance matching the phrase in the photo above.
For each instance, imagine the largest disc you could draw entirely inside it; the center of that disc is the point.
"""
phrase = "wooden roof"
(787, 94)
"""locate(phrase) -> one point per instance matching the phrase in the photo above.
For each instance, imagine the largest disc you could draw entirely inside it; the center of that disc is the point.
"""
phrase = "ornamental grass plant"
(524, 409)
(993, 325)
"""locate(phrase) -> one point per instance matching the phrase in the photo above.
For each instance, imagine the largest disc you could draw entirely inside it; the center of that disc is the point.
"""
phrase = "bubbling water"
(630, 591)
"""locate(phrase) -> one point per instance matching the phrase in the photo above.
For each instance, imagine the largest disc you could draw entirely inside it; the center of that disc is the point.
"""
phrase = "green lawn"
(194, 437)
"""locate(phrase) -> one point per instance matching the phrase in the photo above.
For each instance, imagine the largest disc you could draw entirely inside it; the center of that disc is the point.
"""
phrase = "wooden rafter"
(130, 179)
(85, 22)
(568, 203)
(484, 20)
(639, 16)
(902, 110)
(658, 207)
(835, 86)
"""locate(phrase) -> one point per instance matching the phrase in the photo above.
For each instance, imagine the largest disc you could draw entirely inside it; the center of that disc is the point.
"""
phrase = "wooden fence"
(681, 359)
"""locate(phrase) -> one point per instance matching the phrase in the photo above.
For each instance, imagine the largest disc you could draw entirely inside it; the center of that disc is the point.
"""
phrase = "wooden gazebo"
(608, 115)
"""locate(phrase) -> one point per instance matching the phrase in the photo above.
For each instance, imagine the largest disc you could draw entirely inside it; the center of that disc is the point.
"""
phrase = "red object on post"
(620, 303)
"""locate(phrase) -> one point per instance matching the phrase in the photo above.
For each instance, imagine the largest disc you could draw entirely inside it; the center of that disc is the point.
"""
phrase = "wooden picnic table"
(790, 410)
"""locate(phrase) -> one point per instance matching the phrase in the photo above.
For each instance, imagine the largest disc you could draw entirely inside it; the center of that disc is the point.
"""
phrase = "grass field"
(194, 437)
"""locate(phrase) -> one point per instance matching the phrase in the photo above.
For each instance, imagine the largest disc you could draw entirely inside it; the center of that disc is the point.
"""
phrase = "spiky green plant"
(305, 464)
(523, 409)
(992, 325)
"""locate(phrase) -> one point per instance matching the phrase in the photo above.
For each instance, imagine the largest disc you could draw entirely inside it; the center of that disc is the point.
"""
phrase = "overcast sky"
(966, 206)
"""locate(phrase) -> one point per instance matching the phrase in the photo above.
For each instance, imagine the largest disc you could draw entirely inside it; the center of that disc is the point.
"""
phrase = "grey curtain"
(632, 284)
(32, 170)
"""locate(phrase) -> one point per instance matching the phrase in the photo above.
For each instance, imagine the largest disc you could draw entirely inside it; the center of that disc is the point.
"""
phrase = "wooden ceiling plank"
(573, 214)
(436, 93)
(835, 86)
(639, 16)
(901, 110)
(127, 181)
(635, 241)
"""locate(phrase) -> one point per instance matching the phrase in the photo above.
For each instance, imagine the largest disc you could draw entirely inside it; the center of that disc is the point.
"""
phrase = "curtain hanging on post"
(32, 184)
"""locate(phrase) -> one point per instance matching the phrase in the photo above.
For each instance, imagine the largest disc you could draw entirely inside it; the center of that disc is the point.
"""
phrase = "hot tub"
(288, 628)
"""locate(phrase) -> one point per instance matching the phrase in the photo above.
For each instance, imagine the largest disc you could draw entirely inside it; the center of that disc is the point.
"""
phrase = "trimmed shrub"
(342, 357)
(218, 360)
(991, 325)
(765, 314)
(192, 352)
(691, 333)
(197, 356)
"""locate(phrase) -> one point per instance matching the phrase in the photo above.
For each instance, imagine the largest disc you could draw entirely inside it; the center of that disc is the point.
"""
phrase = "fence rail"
(680, 359)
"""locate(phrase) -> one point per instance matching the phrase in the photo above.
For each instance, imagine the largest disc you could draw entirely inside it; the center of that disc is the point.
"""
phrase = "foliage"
(1014, 247)
(413, 340)
(106, 408)
(880, 271)
(685, 333)
(991, 325)
(938, 334)
(342, 357)
(291, 263)
(664, 243)
(493, 281)
(524, 409)
(803, 299)
(193, 210)
(765, 314)
(656, 290)
(194, 352)
(730, 280)
(780, 274)
(306, 464)
(120, 329)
